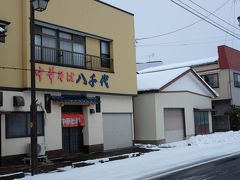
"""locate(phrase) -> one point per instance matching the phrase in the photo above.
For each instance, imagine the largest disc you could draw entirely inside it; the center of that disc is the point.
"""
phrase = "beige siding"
(145, 117)
(224, 83)
(90, 17)
(204, 68)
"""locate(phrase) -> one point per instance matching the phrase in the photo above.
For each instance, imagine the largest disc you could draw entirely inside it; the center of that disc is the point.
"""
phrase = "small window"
(49, 32)
(212, 80)
(98, 105)
(236, 77)
(65, 36)
(105, 54)
(18, 125)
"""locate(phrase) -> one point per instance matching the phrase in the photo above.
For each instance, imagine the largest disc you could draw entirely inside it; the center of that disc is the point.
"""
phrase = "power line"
(214, 15)
(180, 29)
(181, 44)
(219, 25)
(212, 23)
(206, 39)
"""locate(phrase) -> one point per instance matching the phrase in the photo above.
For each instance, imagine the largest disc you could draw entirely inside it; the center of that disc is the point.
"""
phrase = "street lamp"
(38, 5)
(238, 20)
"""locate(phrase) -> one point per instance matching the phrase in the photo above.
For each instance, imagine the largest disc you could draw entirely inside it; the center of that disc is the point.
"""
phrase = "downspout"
(133, 119)
(230, 85)
(230, 88)
(44, 120)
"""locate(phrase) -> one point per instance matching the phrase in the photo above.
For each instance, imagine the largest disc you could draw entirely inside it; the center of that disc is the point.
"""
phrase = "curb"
(104, 160)
(187, 166)
(12, 176)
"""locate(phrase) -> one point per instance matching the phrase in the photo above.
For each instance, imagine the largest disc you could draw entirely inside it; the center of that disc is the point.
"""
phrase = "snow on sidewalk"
(169, 157)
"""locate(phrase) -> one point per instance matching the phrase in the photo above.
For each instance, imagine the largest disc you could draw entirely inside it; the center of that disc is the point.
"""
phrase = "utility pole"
(38, 5)
(33, 107)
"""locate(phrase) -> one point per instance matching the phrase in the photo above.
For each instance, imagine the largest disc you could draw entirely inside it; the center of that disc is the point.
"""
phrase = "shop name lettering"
(71, 77)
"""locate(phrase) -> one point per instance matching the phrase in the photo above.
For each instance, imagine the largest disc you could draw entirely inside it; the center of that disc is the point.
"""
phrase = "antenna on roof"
(150, 56)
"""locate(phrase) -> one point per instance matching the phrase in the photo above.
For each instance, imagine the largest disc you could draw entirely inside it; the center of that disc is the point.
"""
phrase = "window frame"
(236, 83)
(217, 74)
(105, 61)
(39, 32)
(27, 128)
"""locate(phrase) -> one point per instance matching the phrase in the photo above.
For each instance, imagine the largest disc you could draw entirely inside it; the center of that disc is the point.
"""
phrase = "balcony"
(72, 59)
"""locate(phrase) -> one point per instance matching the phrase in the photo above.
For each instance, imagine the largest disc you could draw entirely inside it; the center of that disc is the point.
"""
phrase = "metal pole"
(33, 107)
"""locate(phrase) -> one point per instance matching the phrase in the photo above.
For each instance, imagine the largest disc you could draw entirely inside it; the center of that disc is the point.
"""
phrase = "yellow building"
(85, 77)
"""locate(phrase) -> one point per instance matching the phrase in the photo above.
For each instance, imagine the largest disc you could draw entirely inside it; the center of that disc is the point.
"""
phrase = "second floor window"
(236, 77)
(212, 80)
(59, 47)
(105, 54)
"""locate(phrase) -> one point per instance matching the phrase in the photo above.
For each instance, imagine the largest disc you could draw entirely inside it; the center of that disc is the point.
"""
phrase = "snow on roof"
(156, 80)
(1, 29)
(179, 65)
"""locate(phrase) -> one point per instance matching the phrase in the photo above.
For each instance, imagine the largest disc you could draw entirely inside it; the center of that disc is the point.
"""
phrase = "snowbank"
(196, 149)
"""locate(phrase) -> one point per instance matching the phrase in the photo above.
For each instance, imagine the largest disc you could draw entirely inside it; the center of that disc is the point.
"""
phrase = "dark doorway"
(72, 137)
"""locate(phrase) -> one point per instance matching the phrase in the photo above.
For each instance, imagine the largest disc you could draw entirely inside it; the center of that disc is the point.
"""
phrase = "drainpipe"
(134, 130)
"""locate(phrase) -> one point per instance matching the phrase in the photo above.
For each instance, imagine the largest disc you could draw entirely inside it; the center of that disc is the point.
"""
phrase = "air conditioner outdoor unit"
(41, 149)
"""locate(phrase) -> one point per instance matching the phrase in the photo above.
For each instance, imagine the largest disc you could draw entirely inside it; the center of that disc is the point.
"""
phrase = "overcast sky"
(156, 17)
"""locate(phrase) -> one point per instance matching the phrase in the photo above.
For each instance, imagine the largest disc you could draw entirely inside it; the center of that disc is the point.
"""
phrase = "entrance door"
(201, 122)
(174, 125)
(72, 137)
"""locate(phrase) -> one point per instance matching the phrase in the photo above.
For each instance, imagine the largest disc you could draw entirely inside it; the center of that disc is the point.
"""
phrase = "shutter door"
(117, 131)
(174, 125)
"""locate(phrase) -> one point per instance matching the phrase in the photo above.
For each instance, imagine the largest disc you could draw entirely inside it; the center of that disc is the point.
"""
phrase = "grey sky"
(154, 17)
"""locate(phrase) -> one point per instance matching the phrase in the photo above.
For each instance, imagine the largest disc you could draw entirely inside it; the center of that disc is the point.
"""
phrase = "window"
(56, 47)
(236, 77)
(98, 105)
(212, 80)
(17, 124)
(105, 54)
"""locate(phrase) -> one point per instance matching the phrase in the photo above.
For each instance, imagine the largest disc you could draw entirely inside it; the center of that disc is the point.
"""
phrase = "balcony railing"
(72, 59)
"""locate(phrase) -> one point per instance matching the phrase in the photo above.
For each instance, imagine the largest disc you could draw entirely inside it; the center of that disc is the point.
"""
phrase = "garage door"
(174, 125)
(117, 131)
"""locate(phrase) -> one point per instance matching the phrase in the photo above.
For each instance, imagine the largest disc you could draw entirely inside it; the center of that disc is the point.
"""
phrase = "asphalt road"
(225, 169)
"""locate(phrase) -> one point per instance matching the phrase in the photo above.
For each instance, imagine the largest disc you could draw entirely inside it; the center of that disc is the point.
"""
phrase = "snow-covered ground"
(168, 157)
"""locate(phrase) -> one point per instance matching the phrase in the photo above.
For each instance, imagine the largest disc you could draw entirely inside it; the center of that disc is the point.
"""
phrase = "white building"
(172, 105)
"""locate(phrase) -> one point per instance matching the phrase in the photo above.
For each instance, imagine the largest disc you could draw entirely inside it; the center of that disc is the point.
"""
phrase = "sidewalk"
(76, 160)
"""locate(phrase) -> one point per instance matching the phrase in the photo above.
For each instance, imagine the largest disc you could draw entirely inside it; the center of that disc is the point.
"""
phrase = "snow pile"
(199, 140)
(215, 138)
(179, 65)
(228, 137)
